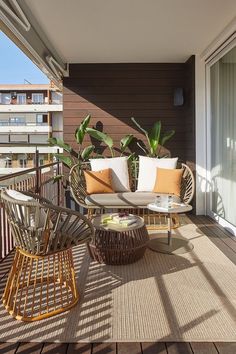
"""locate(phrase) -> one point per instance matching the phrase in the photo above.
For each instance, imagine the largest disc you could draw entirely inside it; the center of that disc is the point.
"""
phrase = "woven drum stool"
(41, 282)
(118, 245)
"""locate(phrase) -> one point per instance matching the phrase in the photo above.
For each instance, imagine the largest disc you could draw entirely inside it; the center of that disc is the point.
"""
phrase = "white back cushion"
(148, 168)
(120, 173)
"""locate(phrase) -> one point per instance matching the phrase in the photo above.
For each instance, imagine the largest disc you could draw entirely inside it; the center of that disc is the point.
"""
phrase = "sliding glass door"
(223, 138)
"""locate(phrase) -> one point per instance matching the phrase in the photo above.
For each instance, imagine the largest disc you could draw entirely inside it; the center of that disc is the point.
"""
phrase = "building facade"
(29, 116)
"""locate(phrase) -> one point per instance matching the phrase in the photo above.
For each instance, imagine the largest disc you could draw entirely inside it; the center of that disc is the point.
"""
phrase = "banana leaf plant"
(107, 140)
(155, 138)
(70, 156)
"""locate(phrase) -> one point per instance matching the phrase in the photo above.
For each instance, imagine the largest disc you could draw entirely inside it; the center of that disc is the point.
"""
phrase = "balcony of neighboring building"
(25, 123)
(28, 101)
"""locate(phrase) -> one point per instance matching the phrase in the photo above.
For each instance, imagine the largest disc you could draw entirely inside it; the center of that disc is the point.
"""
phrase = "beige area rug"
(160, 298)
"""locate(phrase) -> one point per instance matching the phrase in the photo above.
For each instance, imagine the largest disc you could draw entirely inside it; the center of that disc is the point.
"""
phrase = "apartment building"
(29, 116)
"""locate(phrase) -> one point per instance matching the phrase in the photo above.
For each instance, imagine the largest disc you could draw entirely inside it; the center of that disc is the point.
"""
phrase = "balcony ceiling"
(88, 31)
(58, 32)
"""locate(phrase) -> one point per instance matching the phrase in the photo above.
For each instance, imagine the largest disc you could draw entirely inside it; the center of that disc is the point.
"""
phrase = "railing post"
(37, 182)
(58, 181)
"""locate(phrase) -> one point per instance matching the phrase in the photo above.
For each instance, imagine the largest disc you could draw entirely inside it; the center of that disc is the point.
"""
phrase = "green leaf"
(154, 137)
(142, 148)
(52, 141)
(57, 178)
(131, 157)
(81, 130)
(139, 126)
(166, 136)
(125, 141)
(60, 143)
(87, 152)
(106, 139)
(65, 159)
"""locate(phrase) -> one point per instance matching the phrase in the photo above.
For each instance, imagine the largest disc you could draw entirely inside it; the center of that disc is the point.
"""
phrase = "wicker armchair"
(41, 282)
(152, 219)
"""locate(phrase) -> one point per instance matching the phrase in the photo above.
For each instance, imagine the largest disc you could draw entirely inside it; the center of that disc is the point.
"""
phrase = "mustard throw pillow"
(98, 181)
(168, 181)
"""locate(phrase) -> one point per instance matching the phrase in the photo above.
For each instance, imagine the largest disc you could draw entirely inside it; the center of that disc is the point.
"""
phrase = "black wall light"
(178, 96)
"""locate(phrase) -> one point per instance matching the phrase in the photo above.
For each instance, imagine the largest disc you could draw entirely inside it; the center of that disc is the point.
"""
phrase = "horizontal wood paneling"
(113, 93)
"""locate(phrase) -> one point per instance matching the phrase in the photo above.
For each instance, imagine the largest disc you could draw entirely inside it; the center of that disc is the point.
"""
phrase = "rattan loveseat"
(131, 201)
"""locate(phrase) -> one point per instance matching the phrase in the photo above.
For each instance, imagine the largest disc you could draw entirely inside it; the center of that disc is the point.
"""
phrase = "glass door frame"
(212, 61)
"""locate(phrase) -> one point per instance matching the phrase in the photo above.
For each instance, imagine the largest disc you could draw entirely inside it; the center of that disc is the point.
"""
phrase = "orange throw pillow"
(98, 181)
(168, 181)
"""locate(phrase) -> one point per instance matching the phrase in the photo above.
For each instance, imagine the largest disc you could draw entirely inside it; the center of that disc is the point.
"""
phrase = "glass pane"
(37, 98)
(6, 98)
(21, 98)
(223, 136)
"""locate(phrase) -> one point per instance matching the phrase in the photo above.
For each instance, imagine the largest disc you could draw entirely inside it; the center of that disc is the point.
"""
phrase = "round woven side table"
(118, 245)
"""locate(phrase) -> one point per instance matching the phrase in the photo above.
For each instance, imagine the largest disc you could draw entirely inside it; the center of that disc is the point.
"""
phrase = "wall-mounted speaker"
(179, 96)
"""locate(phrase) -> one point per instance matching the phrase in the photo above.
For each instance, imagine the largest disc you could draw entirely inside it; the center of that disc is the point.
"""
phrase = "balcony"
(161, 64)
(160, 295)
(6, 127)
(30, 108)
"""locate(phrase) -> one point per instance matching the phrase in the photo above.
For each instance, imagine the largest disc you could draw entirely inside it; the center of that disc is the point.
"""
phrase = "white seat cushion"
(120, 172)
(124, 200)
(148, 168)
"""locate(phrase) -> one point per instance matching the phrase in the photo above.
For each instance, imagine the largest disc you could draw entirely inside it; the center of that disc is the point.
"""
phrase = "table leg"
(169, 229)
(171, 244)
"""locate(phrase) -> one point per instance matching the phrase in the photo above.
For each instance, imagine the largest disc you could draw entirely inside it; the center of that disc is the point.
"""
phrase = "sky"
(15, 66)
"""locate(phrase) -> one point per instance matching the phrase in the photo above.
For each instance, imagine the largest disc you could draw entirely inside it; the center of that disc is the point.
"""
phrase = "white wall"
(201, 164)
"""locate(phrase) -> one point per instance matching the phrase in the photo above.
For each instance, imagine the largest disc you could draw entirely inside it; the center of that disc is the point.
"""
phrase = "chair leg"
(40, 286)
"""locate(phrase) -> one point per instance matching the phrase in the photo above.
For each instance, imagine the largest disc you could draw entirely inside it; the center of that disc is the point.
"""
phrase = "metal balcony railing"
(40, 180)
(28, 124)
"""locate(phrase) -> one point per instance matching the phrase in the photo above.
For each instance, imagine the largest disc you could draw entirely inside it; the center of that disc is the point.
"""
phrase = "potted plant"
(155, 138)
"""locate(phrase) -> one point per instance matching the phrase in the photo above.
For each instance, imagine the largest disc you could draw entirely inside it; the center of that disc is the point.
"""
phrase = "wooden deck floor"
(220, 237)
(119, 348)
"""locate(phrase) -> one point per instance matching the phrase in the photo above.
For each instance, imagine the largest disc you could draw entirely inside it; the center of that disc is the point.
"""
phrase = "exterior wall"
(112, 93)
(29, 133)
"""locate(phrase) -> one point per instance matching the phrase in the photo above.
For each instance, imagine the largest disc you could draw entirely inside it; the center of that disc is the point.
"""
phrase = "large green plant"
(155, 138)
(70, 156)
(107, 140)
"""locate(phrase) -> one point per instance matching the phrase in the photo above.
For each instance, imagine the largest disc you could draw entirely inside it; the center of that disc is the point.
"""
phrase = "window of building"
(4, 122)
(23, 163)
(56, 97)
(37, 98)
(41, 119)
(222, 144)
(8, 162)
(21, 98)
(6, 98)
(17, 121)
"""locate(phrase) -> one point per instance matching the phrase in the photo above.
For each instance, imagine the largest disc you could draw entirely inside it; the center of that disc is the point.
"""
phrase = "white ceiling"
(95, 31)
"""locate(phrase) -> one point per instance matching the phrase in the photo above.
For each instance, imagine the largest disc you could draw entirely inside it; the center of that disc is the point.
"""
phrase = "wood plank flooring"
(218, 235)
(118, 348)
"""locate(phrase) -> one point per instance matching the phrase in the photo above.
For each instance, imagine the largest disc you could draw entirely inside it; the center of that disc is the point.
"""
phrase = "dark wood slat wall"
(112, 93)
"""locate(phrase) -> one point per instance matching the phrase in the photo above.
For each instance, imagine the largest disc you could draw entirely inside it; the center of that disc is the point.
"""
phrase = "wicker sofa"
(135, 202)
